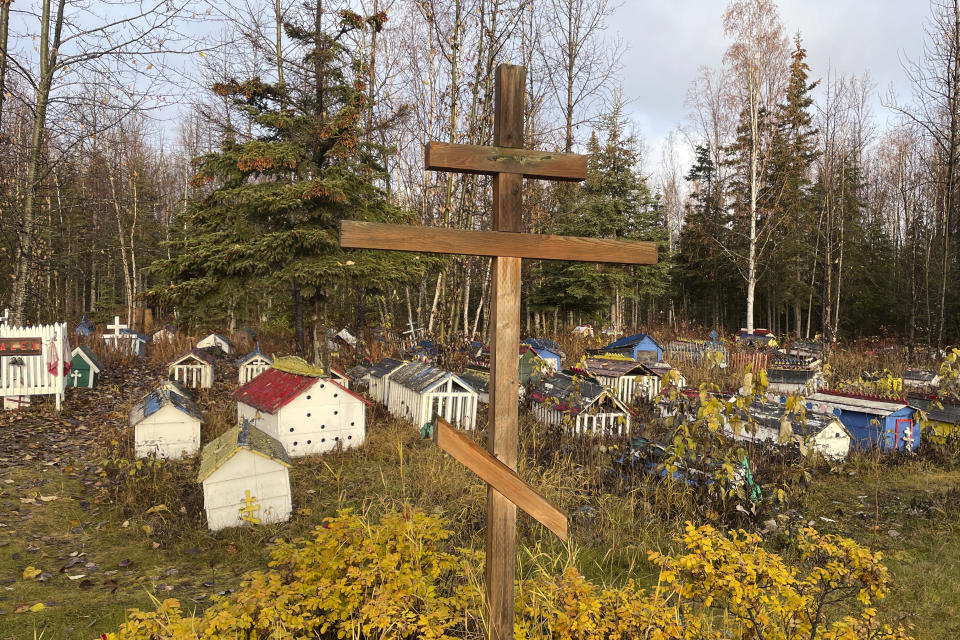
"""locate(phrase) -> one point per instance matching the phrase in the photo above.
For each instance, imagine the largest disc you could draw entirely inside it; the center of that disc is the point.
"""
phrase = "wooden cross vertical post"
(504, 355)
(508, 162)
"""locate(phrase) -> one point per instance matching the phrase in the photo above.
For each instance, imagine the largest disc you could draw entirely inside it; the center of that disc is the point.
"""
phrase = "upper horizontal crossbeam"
(468, 158)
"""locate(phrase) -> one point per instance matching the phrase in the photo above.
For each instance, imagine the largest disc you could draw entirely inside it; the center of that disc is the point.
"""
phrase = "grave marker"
(508, 162)
(117, 328)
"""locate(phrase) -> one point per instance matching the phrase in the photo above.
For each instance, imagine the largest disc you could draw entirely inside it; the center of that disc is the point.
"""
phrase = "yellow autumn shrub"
(761, 597)
(352, 579)
(398, 579)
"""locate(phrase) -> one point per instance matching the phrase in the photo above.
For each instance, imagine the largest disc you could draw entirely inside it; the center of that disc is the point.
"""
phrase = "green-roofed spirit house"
(85, 368)
(509, 163)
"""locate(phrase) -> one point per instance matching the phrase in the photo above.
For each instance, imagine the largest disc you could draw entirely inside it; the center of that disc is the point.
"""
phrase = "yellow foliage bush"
(355, 579)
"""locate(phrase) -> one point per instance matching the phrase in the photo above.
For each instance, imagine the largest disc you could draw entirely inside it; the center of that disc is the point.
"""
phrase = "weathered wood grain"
(468, 158)
(398, 237)
(500, 476)
(502, 438)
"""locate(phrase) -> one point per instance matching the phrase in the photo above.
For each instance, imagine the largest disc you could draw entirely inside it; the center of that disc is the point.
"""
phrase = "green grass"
(392, 470)
(919, 502)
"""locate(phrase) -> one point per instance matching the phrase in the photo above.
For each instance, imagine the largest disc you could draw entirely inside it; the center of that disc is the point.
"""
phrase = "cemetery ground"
(86, 534)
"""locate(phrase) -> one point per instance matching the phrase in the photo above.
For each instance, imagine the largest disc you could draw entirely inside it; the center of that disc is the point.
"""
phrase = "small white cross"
(116, 326)
(75, 374)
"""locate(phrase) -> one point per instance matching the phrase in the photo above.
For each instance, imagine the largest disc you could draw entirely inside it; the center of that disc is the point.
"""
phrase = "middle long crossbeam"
(399, 237)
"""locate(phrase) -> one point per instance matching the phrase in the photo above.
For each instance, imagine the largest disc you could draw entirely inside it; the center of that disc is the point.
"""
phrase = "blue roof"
(546, 354)
(253, 354)
(152, 403)
(160, 397)
(425, 346)
(631, 341)
(543, 344)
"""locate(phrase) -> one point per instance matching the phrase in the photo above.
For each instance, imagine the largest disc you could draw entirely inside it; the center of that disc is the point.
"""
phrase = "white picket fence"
(194, 376)
(22, 376)
(584, 423)
(252, 369)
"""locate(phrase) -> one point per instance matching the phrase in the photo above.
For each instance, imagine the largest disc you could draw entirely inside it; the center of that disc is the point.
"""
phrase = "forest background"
(798, 214)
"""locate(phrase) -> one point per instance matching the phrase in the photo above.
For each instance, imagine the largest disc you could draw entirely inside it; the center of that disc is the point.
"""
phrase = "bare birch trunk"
(483, 291)
(25, 234)
(4, 32)
(836, 312)
(433, 307)
(124, 258)
(754, 186)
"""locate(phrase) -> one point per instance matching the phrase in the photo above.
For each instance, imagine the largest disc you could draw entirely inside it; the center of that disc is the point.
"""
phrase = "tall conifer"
(270, 221)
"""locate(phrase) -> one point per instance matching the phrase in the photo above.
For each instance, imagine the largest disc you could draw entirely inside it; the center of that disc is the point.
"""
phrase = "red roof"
(272, 389)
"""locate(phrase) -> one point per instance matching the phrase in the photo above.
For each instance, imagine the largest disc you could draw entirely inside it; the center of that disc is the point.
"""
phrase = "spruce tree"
(613, 202)
(793, 151)
(269, 220)
(703, 268)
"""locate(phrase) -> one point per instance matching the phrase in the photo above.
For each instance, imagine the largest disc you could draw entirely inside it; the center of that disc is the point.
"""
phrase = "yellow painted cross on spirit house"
(508, 162)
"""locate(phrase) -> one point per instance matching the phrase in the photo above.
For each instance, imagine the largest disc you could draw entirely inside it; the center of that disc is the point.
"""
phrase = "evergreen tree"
(703, 268)
(793, 151)
(271, 220)
(613, 202)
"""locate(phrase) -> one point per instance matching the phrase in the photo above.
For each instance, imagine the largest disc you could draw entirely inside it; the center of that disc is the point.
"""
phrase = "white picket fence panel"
(250, 371)
(32, 378)
(194, 376)
(584, 423)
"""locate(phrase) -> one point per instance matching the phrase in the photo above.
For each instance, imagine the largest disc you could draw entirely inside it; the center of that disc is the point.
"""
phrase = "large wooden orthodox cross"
(508, 162)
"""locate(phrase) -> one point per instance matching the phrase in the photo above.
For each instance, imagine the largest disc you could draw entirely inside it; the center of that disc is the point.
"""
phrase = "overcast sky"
(669, 40)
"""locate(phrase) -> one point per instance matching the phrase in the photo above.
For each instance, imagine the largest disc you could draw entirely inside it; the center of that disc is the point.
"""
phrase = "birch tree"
(756, 58)
(935, 109)
(583, 62)
(75, 46)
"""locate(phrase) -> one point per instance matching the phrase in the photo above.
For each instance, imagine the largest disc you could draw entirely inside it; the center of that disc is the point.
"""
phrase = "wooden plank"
(508, 203)
(502, 439)
(509, 90)
(499, 476)
(398, 237)
(468, 158)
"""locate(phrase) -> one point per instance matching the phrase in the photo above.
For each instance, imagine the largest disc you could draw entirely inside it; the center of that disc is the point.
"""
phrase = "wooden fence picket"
(29, 375)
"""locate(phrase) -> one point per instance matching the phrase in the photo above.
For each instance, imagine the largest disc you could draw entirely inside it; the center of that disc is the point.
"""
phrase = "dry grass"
(615, 517)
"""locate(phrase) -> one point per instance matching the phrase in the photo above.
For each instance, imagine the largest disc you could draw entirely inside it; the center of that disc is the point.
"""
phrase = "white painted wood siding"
(33, 378)
(832, 442)
(584, 423)
(321, 419)
(456, 406)
(168, 433)
(225, 490)
(266, 422)
(252, 369)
